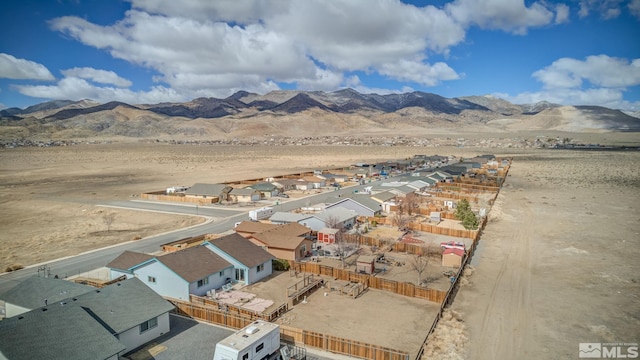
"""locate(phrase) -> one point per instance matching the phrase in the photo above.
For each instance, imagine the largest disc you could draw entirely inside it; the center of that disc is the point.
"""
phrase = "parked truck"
(259, 340)
(262, 213)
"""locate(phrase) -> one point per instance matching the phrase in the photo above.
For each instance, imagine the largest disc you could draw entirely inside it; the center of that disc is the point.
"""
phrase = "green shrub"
(280, 265)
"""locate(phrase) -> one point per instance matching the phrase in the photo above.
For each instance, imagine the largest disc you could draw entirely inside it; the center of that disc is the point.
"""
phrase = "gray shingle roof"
(193, 264)
(128, 259)
(283, 216)
(384, 196)
(30, 293)
(59, 333)
(242, 250)
(366, 201)
(339, 213)
(123, 305)
(81, 327)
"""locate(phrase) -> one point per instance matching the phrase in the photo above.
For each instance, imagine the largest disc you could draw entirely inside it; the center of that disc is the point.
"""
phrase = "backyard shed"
(452, 257)
(365, 264)
(435, 216)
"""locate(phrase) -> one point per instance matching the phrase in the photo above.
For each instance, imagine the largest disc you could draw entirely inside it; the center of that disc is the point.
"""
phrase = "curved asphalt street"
(218, 220)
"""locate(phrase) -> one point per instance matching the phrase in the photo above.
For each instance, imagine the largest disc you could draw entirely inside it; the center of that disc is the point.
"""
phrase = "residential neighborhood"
(399, 232)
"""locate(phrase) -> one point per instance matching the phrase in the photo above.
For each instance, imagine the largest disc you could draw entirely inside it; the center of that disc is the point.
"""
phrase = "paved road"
(221, 220)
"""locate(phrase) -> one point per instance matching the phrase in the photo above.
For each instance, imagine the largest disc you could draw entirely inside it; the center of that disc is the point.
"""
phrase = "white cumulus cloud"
(607, 9)
(596, 80)
(508, 15)
(214, 48)
(599, 70)
(14, 68)
(96, 75)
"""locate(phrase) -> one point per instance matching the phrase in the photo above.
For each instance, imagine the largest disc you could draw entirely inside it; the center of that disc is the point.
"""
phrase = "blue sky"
(577, 52)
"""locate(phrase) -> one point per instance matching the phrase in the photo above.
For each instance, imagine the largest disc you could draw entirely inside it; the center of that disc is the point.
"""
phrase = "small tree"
(462, 208)
(108, 219)
(419, 263)
(410, 203)
(400, 220)
(466, 216)
(470, 221)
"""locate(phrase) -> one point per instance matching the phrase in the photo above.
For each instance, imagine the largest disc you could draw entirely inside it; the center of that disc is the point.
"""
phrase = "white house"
(194, 270)
(363, 205)
(334, 217)
(251, 262)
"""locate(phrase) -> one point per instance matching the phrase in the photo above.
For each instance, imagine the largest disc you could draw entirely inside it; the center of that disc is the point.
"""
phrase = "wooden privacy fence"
(374, 282)
(232, 309)
(461, 233)
(338, 345)
(210, 314)
(161, 196)
(326, 342)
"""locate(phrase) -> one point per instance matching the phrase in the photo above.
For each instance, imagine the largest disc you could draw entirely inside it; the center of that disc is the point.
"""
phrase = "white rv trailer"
(262, 213)
(258, 340)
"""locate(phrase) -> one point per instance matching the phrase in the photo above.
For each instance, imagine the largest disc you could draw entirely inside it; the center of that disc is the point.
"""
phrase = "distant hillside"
(301, 114)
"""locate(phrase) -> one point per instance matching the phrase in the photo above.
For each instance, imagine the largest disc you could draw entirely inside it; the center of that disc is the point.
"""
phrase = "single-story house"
(248, 228)
(36, 291)
(402, 191)
(100, 324)
(267, 189)
(251, 263)
(315, 181)
(363, 205)
(194, 270)
(452, 257)
(337, 217)
(383, 196)
(244, 195)
(286, 184)
(289, 242)
(419, 185)
(284, 217)
(214, 192)
(333, 178)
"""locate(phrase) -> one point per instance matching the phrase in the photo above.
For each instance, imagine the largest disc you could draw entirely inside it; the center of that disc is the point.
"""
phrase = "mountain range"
(300, 114)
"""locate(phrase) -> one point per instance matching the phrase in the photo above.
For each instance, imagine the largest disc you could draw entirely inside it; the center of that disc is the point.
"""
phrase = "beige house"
(289, 242)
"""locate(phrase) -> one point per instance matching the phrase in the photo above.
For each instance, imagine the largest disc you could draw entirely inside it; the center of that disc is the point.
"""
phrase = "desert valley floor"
(556, 265)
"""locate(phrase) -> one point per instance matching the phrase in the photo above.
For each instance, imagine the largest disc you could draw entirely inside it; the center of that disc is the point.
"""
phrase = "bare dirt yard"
(556, 265)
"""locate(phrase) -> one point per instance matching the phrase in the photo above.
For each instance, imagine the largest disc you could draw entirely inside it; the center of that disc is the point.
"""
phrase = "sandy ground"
(556, 265)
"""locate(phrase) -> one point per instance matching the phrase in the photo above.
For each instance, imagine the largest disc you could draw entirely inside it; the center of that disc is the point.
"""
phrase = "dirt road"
(557, 263)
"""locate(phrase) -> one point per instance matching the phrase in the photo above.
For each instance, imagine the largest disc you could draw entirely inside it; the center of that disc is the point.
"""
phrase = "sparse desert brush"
(14, 267)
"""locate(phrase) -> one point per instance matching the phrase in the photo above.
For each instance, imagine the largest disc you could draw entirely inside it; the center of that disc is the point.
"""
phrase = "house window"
(245, 356)
(259, 347)
(221, 273)
(203, 282)
(151, 279)
(260, 267)
(303, 248)
(147, 325)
